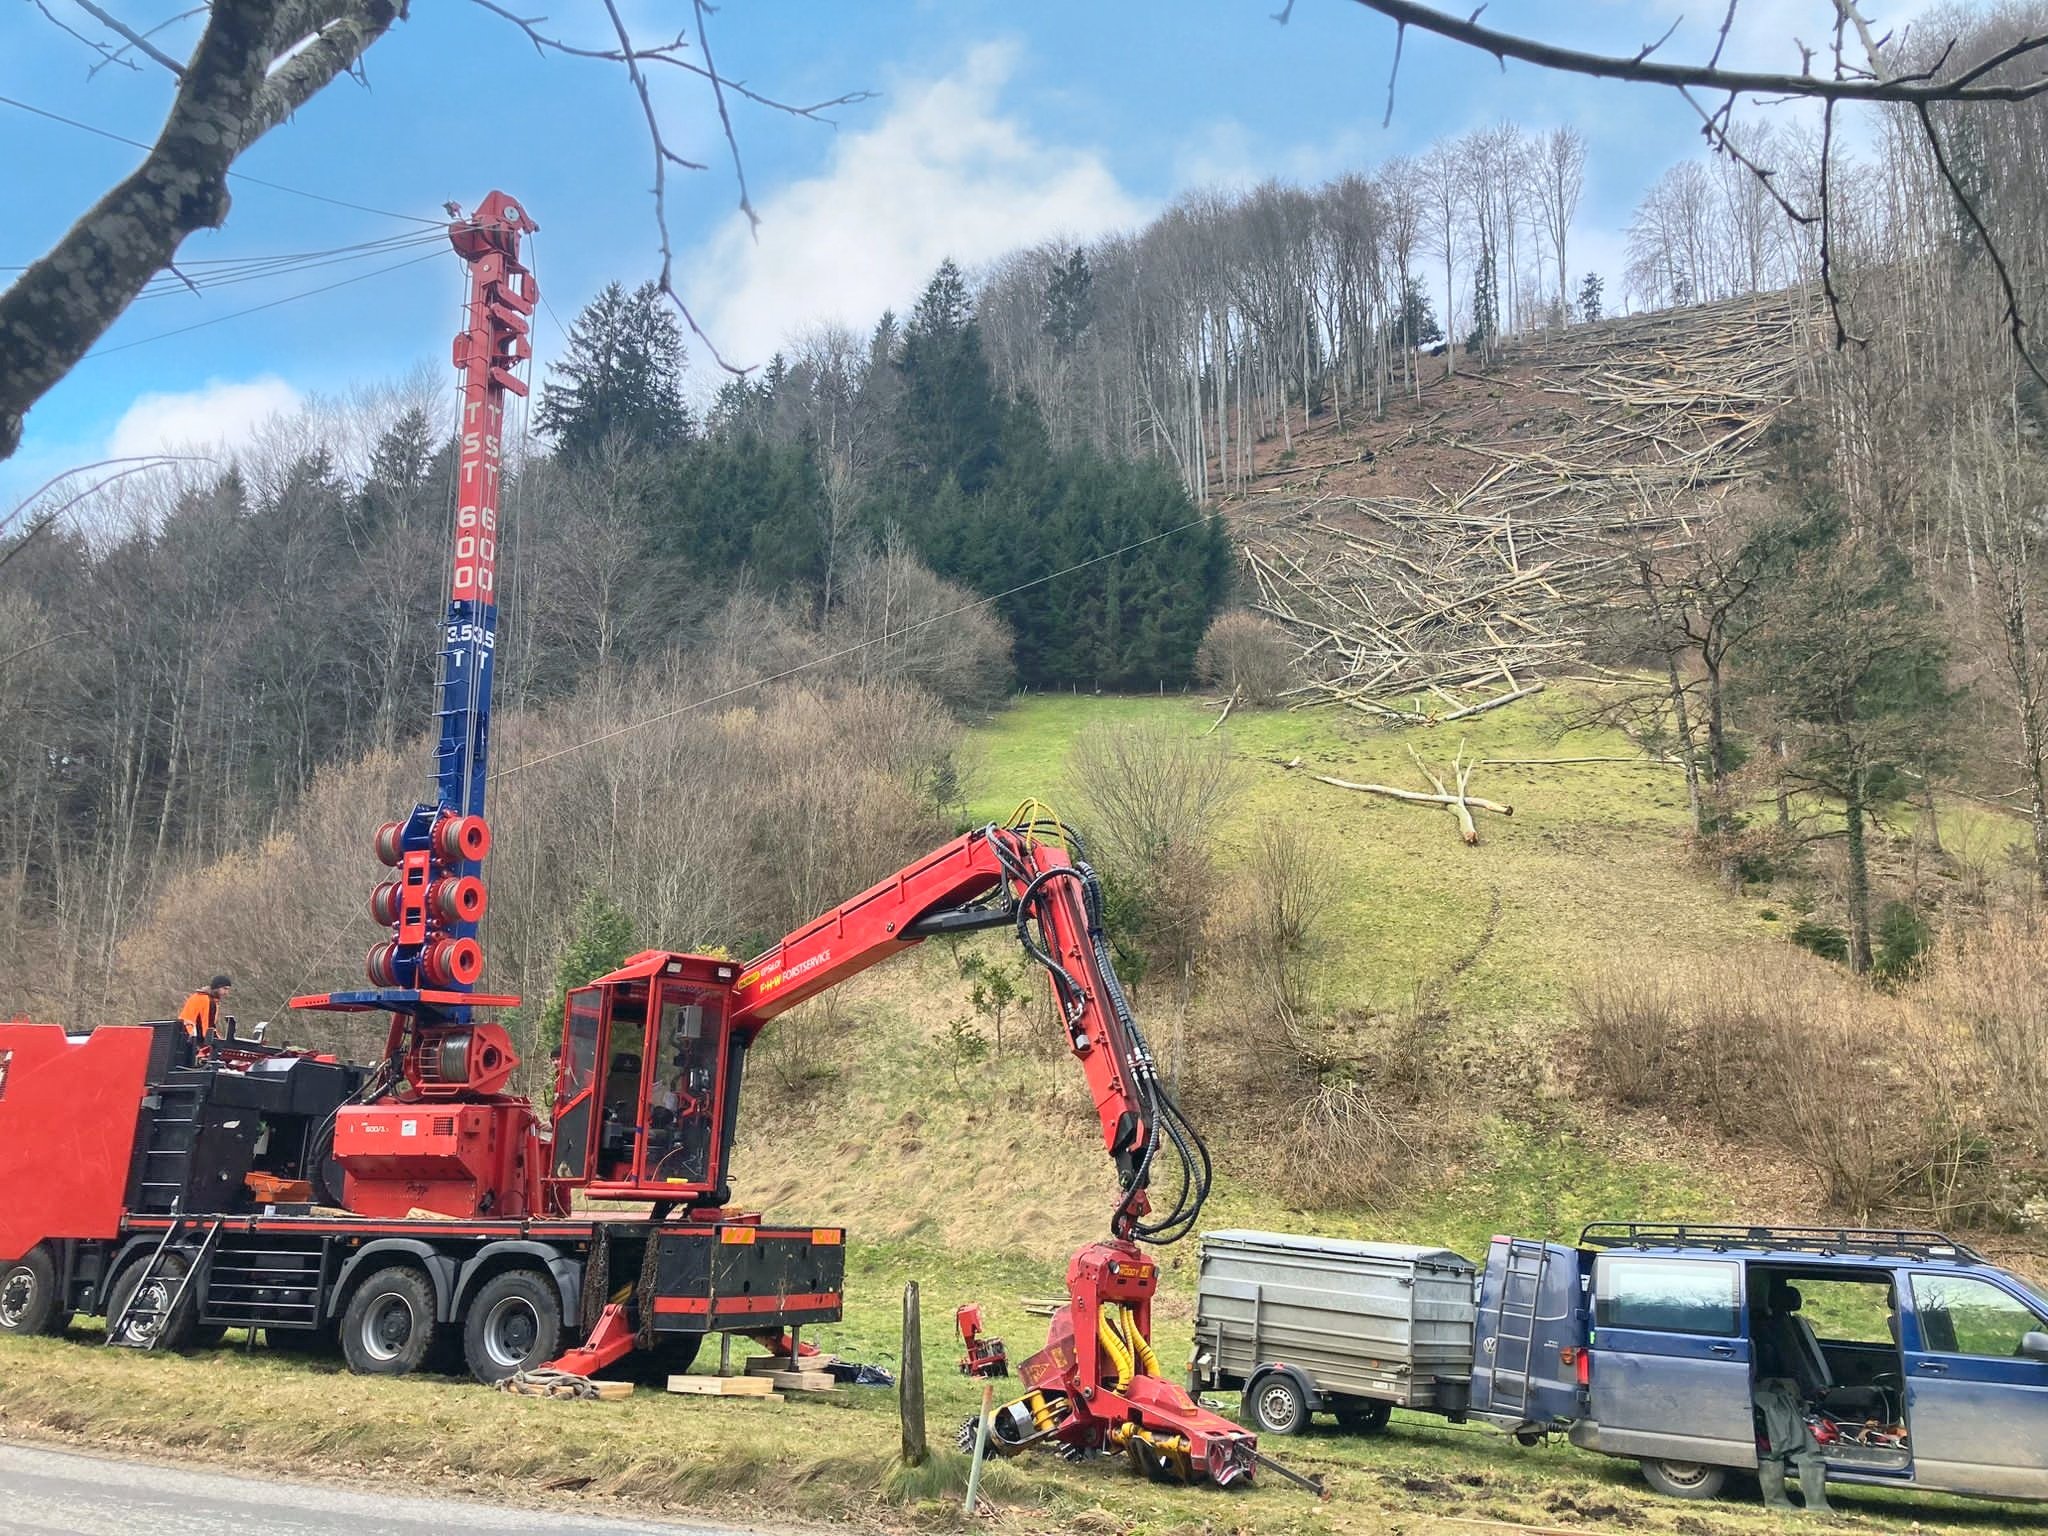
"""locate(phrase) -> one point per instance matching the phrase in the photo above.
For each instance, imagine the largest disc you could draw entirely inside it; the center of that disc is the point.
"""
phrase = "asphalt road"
(61, 1493)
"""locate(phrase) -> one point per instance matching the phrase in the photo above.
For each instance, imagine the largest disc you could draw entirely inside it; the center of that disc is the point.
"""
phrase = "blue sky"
(993, 126)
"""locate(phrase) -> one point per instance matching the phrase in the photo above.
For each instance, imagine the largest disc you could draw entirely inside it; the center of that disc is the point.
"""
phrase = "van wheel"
(1275, 1404)
(1366, 1416)
(28, 1295)
(389, 1325)
(1684, 1479)
(149, 1328)
(513, 1324)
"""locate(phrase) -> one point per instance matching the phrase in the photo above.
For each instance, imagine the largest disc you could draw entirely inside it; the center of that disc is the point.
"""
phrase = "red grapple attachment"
(1096, 1386)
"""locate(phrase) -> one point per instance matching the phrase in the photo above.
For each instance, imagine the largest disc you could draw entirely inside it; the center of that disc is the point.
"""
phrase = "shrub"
(1903, 938)
(1245, 655)
(1154, 794)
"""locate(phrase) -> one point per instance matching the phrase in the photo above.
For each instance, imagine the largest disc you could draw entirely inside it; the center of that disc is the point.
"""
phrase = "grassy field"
(978, 1180)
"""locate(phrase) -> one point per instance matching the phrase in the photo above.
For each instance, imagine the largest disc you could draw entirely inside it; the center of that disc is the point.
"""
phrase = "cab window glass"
(581, 1060)
(1668, 1295)
(1963, 1316)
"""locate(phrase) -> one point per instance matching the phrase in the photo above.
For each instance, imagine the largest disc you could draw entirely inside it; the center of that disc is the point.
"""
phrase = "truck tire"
(513, 1324)
(389, 1324)
(1684, 1479)
(1363, 1415)
(28, 1295)
(153, 1331)
(1276, 1404)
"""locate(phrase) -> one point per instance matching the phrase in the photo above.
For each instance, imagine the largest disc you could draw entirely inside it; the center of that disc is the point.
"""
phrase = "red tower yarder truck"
(408, 1207)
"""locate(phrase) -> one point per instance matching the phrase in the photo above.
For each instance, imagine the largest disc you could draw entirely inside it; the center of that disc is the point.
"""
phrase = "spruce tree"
(622, 376)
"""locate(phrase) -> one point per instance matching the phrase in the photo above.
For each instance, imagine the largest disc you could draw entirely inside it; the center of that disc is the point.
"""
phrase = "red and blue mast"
(426, 972)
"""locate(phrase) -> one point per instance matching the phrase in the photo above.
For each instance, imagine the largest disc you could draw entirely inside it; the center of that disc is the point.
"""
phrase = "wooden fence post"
(910, 1382)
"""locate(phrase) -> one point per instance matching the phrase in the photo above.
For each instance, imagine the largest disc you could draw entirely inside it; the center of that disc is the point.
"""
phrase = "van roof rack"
(1859, 1241)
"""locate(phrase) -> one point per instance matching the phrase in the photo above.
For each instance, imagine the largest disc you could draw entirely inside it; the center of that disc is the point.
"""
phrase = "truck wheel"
(1276, 1405)
(389, 1325)
(1684, 1479)
(28, 1295)
(149, 1328)
(1364, 1416)
(513, 1324)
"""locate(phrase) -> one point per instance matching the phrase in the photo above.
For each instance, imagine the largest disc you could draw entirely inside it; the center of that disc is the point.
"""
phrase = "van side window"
(1668, 1295)
(1962, 1316)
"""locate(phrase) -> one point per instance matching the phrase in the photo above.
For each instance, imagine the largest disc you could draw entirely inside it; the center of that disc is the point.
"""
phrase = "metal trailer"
(1302, 1325)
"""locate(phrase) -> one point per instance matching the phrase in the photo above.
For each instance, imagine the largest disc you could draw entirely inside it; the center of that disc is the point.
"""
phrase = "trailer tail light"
(1585, 1365)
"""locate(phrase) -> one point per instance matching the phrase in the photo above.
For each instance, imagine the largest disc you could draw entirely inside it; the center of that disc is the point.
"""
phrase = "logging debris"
(1427, 609)
(1456, 796)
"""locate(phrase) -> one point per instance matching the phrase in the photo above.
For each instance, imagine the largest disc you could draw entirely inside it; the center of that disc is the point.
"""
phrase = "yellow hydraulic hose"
(1113, 1346)
(1141, 1347)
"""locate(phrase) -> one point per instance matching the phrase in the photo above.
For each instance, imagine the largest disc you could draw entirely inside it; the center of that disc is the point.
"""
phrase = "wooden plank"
(772, 1365)
(803, 1381)
(722, 1386)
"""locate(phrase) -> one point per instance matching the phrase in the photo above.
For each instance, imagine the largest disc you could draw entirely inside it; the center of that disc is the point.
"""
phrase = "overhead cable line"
(254, 309)
(257, 181)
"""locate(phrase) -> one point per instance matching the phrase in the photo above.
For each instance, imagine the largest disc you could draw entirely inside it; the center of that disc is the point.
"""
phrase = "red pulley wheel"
(461, 900)
(459, 838)
(389, 842)
(384, 903)
(382, 965)
(453, 962)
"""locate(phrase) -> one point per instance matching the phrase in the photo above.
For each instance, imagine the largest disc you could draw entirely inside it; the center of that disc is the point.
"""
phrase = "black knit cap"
(221, 981)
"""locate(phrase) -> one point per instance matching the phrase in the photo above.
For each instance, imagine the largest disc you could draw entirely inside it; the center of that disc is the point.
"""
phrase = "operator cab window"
(1960, 1315)
(580, 1061)
(1702, 1296)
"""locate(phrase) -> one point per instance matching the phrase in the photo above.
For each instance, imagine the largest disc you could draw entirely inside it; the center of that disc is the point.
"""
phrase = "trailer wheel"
(1364, 1416)
(152, 1330)
(389, 1325)
(514, 1323)
(1684, 1479)
(1276, 1405)
(28, 1295)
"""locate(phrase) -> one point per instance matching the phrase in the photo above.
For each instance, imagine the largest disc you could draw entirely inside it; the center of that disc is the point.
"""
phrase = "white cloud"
(945, 173)
(219, 414)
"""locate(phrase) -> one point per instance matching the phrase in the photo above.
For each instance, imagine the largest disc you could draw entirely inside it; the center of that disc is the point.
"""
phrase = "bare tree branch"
(107, 55)
(136, 40)
(230, 94)
(1642, 68)
(116, 57)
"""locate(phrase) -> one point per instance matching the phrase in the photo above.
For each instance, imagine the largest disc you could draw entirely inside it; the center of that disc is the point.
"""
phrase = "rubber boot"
(1813, 1484)
(1770, 1475)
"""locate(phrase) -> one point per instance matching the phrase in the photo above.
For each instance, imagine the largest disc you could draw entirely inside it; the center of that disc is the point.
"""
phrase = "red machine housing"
(450, 1159)
(67, 1131)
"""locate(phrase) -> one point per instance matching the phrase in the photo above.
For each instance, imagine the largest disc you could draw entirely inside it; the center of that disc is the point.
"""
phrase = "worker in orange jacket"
(201, 1013)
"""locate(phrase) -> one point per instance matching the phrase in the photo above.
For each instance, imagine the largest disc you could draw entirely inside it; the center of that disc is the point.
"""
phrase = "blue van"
(1919, 1363)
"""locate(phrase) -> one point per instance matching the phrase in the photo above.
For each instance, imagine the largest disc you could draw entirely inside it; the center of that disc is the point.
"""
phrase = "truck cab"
(1917, 1362)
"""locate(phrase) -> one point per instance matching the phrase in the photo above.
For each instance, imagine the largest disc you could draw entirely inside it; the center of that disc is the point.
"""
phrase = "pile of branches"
(1429, 609)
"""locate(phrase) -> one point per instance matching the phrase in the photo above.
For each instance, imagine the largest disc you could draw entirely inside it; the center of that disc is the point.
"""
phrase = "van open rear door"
(1531, 1328)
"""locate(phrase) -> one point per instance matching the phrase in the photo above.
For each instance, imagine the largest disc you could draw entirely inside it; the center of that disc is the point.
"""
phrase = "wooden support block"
(722, 1386)
(775, 1365)
(803, 1381)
